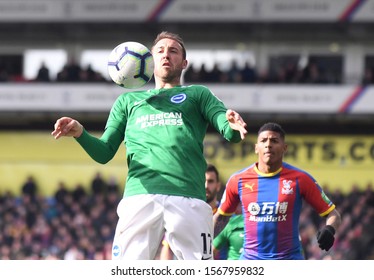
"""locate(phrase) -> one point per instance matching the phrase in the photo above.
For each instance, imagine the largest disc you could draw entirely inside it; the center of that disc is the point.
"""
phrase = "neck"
(160, 83)
(267, 168)
(166, 85)
(213, 204)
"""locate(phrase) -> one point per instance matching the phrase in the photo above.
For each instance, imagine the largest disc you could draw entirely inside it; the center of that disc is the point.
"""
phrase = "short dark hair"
(212, 168)
(172, 36)
(270, 126)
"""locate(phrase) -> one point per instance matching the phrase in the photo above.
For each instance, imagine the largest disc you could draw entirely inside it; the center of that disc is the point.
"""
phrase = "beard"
(170, 75)
(210, 197)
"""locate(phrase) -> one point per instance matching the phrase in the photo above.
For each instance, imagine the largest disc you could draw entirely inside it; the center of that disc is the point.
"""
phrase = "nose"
(268, 143)
(166, 53)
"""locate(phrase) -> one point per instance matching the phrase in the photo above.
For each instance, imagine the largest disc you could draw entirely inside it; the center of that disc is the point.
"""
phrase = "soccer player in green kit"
(163, 131)
(232, 236)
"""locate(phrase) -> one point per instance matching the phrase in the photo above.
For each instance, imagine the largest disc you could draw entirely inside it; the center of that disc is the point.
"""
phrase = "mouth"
(165, 63)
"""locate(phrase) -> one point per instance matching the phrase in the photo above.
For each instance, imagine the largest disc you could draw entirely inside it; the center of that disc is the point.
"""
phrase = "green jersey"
(163, 131)
(232, 237)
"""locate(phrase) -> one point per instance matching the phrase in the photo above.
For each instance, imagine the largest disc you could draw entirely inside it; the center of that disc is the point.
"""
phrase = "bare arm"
(334, 219)
(219, 222)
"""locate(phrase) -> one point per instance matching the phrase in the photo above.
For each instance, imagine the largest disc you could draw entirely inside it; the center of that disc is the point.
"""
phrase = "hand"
(236, 122)
(326, 238)
(66, 126)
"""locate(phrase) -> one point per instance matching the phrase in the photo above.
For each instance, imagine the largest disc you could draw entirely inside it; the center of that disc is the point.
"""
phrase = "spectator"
(61, 193)
(43, 74)
(98, 184)
(30, 187)
(234, 73)
(248, 73)
(73, 71)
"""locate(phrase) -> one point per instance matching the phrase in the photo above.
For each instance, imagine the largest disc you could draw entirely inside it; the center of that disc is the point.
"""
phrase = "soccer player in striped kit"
(271, 192)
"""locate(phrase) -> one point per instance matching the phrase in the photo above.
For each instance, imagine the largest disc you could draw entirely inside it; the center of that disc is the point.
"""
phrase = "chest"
(264, 195)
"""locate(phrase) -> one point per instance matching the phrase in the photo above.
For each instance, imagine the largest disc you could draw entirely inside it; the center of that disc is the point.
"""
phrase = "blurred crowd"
(73, 224)
(355, 237)
(288, 72)
(78, 223)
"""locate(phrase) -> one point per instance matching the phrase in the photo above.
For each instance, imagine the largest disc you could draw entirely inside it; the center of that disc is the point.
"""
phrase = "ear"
(256, 149)
(185, 64)
(285, 147)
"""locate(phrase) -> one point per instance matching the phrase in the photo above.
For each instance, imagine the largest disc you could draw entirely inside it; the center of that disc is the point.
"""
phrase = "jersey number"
(207, 243)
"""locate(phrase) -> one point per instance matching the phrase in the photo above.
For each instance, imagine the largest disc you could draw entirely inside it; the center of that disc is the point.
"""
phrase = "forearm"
(219, 223)
(99, 149)
(334, 219)
(325, 236)
(223, 127)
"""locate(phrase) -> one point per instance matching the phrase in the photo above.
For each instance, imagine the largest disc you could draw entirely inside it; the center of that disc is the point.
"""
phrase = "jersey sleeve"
(101, 149)
(315, 196)
(118, 114)
(230, 199)
(214, 110)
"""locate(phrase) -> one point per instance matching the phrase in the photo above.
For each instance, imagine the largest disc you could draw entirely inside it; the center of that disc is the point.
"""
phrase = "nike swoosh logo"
(138, 102)
(204, 259)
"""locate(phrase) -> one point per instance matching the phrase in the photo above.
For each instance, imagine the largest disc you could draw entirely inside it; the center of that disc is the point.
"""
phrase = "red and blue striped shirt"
(271, 208)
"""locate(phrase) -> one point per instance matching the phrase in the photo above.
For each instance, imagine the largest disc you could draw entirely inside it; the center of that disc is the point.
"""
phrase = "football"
(130, 65)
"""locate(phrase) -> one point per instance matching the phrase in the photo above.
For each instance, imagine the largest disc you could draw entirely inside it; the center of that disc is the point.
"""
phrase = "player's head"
(270, 126)
(169, 56)
(271, 146)
(212, 183)
(171, 36)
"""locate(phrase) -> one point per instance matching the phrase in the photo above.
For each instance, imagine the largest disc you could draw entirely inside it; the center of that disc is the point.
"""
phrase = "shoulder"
(305, 179)
(135, 94)
(236, 219)
(295, 170)
(237, 222)
(243, 172)
(197, 88)
(234, 180)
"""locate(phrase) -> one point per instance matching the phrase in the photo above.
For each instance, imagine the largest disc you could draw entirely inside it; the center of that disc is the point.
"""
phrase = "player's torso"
(271, 208)
(168, 115)
(270, 199)
(164, 136)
